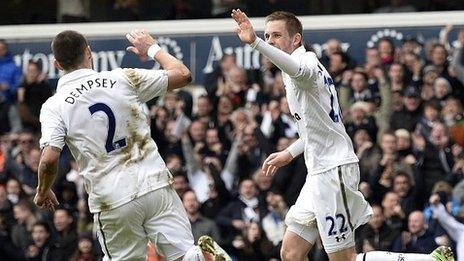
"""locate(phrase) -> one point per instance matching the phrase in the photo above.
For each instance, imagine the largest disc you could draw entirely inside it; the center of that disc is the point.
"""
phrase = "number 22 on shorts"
(332, 222)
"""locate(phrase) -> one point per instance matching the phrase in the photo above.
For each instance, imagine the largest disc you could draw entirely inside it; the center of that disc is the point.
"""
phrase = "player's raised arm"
(143, 44)
(247, 34)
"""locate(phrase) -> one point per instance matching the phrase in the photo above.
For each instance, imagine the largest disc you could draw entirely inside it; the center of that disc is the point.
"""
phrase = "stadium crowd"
(402, 107)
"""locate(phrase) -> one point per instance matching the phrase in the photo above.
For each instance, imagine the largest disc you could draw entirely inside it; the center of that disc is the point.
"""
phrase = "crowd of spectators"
(402, 107)
(71, 11)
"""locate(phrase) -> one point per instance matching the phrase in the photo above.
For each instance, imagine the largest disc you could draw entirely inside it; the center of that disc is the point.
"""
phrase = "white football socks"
(390, 256)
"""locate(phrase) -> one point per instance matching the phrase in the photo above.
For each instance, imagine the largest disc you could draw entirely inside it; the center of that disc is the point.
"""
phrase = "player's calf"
(288, 254)
(295, 247)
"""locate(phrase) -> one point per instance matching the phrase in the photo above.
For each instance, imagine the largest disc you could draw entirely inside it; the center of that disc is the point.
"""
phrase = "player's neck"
(294, 49)
(78, 68)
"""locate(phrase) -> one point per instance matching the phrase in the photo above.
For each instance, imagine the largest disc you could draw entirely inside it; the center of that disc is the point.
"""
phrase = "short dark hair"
(388, 40)
(434, 104)
(68, 48)
(36, 64)
(343, 56)
(362, 73)
(43, 224)
(292, 23)
(402, 174)
(66, 210)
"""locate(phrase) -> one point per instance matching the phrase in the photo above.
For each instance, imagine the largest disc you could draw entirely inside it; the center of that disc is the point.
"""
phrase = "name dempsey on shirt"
(95, 83)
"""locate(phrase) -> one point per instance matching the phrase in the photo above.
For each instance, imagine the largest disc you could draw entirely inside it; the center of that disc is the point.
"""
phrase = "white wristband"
(153, 50)
(256, 42)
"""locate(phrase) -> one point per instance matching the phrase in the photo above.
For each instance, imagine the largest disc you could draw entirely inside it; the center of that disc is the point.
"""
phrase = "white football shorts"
(158, 216)
(331, 204)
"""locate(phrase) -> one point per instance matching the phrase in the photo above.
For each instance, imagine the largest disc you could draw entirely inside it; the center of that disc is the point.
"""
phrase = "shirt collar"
(298, 51)
(74, 75)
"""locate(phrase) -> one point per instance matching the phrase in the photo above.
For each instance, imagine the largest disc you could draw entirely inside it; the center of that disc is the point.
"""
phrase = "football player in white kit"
(99, 116)
(329, 202)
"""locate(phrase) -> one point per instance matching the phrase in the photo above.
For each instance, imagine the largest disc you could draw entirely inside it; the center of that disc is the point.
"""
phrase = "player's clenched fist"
(47, 200)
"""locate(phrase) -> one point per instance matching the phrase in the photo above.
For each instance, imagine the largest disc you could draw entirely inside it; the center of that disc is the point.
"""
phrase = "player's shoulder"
(132, 75)
(308, 57)
(52, 101)
(51, 106)
(125, 76)
(118, 72)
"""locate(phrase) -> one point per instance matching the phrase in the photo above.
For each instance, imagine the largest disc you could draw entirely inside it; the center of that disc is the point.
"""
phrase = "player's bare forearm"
(48, 167)
(179, 75)
(47, 173)
(143, 44)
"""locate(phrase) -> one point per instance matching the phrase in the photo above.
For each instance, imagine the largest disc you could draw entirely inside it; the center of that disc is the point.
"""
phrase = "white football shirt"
(101, 119)
(313, 102)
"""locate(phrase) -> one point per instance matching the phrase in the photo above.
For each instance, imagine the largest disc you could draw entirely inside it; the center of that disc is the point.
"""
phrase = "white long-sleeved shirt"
(313, 102)
(454, 228)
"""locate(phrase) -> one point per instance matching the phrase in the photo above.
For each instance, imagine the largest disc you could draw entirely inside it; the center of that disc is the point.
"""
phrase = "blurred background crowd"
(402, 106)
(66, 11)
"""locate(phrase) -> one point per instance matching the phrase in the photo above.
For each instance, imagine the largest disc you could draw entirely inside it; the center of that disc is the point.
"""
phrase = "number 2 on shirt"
(110, 145)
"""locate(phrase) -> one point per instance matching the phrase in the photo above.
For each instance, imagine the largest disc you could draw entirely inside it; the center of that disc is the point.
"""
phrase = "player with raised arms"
(100, 117)
(329, 203)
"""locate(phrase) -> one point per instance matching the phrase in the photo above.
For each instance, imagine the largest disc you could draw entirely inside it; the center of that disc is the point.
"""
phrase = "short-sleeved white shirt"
(313, 102)
(101, 119)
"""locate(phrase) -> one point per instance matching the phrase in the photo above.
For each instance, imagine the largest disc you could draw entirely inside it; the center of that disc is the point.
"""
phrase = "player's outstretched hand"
(47, 200)
(275, 161)
(244, 28)
(141, 41)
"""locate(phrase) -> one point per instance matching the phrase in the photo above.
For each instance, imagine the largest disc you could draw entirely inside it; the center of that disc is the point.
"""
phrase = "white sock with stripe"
(194, 254)
(389, 256)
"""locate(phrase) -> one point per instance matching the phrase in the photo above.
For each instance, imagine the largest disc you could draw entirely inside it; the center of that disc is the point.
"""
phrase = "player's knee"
(290, 254)
(194, 254)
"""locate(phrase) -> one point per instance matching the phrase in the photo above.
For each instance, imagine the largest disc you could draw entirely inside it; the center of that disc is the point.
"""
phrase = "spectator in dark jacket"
(359, 119)
(408, 117)
(32, 93)
(240, 212)
(376, 235)
(8, 251)
(409, 200)
(253, 244)
(43, 247)
(6, 208)
(394, 214)
(200, 224)
(435, 160)
(66, 240)
(417, 239)
(28, 176)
